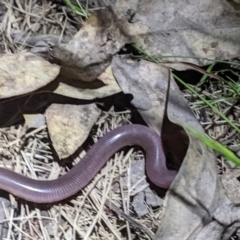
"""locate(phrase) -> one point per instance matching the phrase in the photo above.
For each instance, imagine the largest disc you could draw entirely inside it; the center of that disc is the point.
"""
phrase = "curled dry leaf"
(108, 88)
(148, 83)
(194, 196)
(23, 73)
(90, 51)
(196, 193)
(69, 126)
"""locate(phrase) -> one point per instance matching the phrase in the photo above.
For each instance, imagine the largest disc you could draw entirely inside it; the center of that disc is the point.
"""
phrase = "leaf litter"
(95, 200)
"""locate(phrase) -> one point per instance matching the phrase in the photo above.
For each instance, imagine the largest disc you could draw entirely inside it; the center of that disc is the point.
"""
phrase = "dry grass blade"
(134, 223)
(25, 20)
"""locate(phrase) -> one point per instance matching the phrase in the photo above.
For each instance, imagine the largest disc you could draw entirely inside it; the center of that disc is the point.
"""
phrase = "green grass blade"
(78, 9)
(208, 103)
(214, 145)
(204, 77)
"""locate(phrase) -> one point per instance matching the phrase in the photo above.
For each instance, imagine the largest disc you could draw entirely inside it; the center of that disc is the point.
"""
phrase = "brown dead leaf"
(109, 88)
(148, 83)
(195, 31)
(90, 51)
(69, 126)
(23, 73)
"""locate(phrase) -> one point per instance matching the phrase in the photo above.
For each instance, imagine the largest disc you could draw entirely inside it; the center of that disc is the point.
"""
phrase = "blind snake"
(80, 175)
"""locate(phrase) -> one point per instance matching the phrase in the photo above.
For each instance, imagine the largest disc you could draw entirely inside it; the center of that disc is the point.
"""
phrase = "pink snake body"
(80, 175)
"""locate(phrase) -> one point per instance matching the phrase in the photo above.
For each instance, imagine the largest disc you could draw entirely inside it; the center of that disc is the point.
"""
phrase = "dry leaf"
(232, 184)
(148, 83)
(196, 192)
(143, 200)
(90, 51)
(177, 29)
(108, 88)
(69, 126)
(24, 73)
